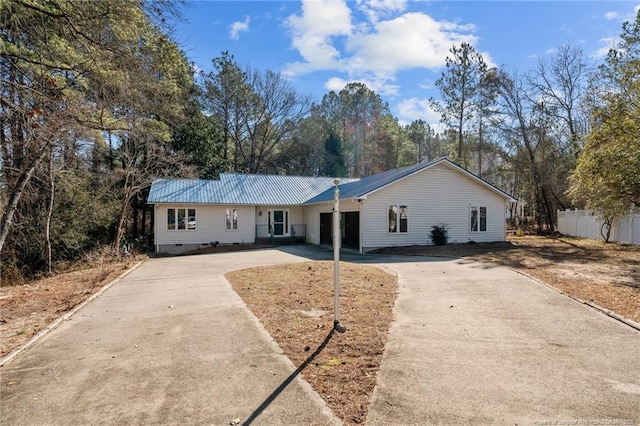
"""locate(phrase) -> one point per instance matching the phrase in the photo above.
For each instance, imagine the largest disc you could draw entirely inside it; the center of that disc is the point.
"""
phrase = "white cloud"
(312, 34)
(414, 109)
(413, 40)
(380, 85)
(328, 36)
(239, 27)
(621, 17)
(375, 9)
(606, 44)
(335, 84)
(566, 29)
(428, 84)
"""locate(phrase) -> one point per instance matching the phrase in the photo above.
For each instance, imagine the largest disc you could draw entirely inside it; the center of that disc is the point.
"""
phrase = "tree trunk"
(124, 209)
(480, 148)
(21, 184)
(460, 141)
(120, 228)
(47, 225)
(135, 219)
(143, 230)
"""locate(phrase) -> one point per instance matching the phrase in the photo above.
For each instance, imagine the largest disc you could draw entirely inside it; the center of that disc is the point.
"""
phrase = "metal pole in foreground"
(337, 326)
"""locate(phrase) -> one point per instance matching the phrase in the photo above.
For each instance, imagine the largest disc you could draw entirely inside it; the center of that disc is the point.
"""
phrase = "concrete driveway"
(471, 344)
(171, 343)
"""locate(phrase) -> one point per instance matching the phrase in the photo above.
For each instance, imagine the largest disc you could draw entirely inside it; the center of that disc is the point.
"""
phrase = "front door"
(278, 223)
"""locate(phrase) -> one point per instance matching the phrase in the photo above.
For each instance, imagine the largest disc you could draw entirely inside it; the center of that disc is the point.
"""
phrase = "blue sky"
(398, 48)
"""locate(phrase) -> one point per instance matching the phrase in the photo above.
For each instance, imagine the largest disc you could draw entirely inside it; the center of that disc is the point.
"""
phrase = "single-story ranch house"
(394, 208)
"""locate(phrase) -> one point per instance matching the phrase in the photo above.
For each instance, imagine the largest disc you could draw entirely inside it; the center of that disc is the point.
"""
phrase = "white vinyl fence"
(582, 223)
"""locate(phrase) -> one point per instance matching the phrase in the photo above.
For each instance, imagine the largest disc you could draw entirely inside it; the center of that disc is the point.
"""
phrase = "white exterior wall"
(312, 219)
(210, 226)
(435, 195)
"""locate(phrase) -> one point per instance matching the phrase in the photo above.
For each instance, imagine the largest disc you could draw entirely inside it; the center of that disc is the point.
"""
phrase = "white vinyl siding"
(211, 226)
(312, 219)
(433, 196)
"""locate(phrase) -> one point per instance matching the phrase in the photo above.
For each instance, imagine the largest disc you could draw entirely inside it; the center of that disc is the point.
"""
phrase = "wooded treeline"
(97, 100)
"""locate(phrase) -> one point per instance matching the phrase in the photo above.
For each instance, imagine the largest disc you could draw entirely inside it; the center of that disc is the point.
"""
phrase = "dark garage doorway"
(350, 229)
(325, 228)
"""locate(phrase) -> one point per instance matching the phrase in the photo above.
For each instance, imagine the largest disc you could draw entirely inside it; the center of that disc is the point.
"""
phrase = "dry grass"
(26, 309)
(605, 274)
(295, 304)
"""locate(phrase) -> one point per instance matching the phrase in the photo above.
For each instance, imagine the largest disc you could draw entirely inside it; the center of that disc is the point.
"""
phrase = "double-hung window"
(231, 218)
(398, 219)
(478, 219)
(181, 219)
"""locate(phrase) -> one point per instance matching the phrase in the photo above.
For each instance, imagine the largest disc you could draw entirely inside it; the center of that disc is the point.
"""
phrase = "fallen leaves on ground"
(28, 308)
(295, 304)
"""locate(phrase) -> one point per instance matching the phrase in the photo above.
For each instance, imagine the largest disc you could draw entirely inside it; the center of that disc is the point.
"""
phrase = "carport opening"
(349, 229)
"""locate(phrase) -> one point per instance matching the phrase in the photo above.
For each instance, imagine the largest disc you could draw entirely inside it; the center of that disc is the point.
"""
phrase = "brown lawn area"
(298, 311)
(295, 304)
(27, 309)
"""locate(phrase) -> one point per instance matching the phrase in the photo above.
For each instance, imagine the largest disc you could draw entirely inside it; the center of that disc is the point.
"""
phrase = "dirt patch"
(26, 309)
(605, 274)
(295, 304)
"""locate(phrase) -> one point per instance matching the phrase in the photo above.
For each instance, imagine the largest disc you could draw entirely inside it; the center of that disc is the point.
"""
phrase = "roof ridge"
(276, 175)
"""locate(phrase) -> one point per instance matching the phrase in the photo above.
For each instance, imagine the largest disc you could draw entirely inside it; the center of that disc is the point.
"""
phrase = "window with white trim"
(231, 218)
(398, 219)
(478, 219)
(181, 219)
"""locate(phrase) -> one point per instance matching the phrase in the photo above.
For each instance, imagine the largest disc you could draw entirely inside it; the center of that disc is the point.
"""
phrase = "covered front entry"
(349, 229)
(278, 221)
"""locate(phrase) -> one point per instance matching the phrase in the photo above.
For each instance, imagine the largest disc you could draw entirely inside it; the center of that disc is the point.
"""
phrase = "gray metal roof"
(233, 188)
(372, 183)
(276, 190)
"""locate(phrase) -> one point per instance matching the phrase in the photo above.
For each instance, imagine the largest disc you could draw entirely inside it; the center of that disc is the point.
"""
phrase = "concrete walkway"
(471, 344)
